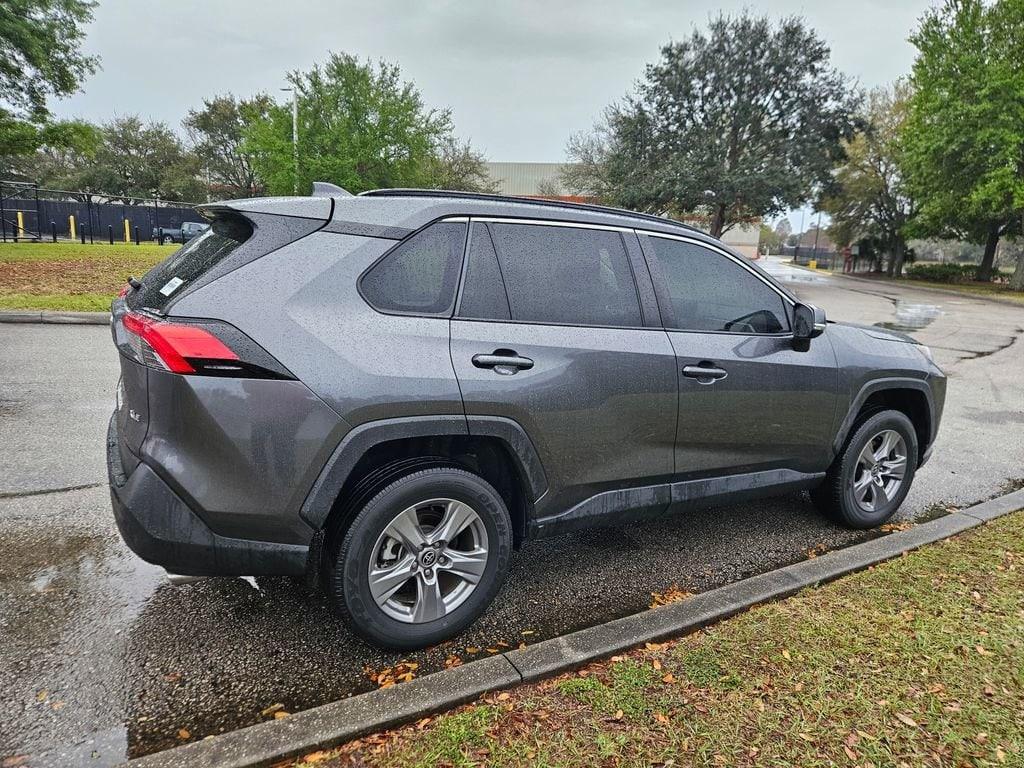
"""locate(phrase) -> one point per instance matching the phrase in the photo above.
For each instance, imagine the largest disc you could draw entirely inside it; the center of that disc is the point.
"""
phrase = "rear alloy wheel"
(428, 560)
(422, 559)
(871, 476)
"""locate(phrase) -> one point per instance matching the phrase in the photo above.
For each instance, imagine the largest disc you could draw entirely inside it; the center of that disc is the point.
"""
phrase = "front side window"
(566, 275)
(710, 292)
(419, 276)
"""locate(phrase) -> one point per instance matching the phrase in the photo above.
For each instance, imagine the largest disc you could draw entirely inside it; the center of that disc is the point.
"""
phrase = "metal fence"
(32, 213)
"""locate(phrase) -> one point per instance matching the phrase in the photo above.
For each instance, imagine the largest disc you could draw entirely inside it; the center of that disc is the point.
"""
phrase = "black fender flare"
(325, 490)
(879, 385)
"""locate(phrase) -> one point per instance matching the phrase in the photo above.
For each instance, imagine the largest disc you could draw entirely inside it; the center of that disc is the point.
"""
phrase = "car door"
(749, 400)
(550, 332)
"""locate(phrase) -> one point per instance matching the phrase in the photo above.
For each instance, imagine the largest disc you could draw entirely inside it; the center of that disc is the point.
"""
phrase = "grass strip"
(919, 661)
(70, 276)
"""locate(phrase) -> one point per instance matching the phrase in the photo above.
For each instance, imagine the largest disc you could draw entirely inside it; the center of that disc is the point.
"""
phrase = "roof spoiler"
(325, 189)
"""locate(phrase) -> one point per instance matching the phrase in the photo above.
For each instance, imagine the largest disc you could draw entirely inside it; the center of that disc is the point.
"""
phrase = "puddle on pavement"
(911, 317)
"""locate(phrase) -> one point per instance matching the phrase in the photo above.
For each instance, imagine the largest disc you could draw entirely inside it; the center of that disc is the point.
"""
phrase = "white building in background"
(544, 180)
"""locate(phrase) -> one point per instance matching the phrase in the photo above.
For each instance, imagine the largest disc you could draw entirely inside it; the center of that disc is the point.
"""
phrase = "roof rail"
(326, 189)
(399, 192)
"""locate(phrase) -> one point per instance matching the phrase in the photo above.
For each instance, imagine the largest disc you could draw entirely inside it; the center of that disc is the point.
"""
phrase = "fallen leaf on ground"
(281, 714)
(315, 757)
(891, 527)
(906, 720)
(671, 595)
(184, 733)
(272, 709)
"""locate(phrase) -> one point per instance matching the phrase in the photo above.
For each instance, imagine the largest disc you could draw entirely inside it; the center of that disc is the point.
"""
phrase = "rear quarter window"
(420, 275)
(190, 262)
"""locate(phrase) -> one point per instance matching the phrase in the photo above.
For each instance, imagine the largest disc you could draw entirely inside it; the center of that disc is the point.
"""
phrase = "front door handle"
(704, 375)
(503, 361)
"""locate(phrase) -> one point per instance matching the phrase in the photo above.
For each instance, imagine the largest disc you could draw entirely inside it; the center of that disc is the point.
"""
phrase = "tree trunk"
(718, 220)
(1017, 281)
(984, 273)
(899, 253)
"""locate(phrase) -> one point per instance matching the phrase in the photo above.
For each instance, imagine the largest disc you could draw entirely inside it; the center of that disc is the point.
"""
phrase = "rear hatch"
(149, 337)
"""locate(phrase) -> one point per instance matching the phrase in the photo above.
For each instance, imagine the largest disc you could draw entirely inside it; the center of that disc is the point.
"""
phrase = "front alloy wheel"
(872, 474)
(880, 468)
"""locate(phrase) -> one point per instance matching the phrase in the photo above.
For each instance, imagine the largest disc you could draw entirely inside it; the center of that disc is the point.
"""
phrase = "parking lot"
(103, 658)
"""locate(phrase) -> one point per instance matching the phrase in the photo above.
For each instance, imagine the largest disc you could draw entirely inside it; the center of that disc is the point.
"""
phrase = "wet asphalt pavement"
(101, 658)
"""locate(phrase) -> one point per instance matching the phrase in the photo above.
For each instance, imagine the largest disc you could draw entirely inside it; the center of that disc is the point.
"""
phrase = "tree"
(217, 132)
(40, 57)
(360, 127)
(131, 159)
(741, 122)
(964, 134)
(869, 197)
(769, 240)
(456, 165)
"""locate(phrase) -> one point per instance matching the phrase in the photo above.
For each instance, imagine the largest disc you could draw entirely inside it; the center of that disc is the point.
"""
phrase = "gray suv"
(390, 392)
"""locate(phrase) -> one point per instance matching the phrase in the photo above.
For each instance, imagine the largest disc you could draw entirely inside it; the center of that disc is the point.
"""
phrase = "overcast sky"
(520, 77)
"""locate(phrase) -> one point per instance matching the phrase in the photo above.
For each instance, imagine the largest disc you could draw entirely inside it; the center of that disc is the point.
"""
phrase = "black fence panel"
(28, 212)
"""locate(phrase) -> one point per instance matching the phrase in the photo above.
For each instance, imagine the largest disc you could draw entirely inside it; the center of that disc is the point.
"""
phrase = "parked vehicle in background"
(391, 391)
(182, 234)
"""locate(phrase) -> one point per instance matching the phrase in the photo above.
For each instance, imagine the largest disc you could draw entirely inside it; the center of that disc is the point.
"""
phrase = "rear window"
(198, 256)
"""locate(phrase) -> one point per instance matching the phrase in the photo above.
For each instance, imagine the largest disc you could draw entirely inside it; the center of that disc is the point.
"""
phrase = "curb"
(58, 318)
(340, 721)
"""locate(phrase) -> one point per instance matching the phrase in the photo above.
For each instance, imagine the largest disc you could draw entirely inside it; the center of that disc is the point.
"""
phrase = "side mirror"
(808, 322)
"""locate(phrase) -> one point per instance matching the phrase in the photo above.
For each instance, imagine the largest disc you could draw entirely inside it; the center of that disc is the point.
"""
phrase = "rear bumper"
(161, 529)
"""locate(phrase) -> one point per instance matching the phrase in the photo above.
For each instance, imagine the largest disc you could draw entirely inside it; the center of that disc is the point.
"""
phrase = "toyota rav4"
(390, 392)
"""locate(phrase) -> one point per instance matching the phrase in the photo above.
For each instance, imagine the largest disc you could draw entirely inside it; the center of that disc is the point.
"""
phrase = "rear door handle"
(704, 375)
(503, 359)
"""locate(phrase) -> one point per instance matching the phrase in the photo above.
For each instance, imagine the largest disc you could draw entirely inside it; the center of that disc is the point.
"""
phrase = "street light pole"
(295, 136)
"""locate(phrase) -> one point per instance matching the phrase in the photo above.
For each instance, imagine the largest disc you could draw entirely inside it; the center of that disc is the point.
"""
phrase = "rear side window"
(709, 292)
(194, 259)
(420, 275)
(483, 292)
(566, 275)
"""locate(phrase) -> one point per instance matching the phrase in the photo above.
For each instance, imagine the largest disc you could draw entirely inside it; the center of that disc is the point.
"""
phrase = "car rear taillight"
(197, 347)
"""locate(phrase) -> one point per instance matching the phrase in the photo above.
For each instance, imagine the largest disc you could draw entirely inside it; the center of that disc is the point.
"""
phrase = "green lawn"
(919, 661)
(71, 276)
(971, 289)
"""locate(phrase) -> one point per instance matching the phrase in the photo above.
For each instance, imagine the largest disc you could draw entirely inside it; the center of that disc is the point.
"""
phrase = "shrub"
(942, 273)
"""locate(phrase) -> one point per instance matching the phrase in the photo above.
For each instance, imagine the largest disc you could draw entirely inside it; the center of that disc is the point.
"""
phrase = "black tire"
(835, 496)
(348, 570)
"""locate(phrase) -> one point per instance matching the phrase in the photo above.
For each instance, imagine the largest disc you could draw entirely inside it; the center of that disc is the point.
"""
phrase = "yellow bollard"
(71, 227)
(21, 226)
(813, 263)
(127, 232)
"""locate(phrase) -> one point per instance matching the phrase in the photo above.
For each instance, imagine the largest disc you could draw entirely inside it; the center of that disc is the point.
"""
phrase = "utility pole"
(295, 136)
